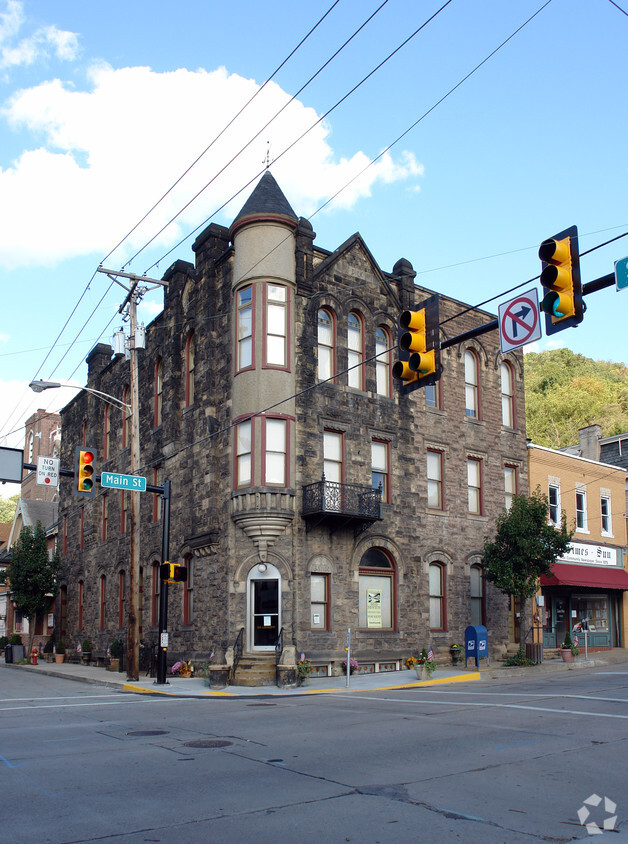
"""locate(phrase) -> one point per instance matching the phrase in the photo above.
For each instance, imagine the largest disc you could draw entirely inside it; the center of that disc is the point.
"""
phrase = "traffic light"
(173, 573)
(85, 472)
(419, 346)
(563, 304)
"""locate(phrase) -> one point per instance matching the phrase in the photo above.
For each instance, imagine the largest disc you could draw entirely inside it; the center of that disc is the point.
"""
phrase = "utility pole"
(134, 294)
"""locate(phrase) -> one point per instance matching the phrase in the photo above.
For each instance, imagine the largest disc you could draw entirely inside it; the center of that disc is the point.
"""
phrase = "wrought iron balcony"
(340, 504)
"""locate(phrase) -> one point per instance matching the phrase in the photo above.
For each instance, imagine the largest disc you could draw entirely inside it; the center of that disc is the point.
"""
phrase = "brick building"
(337, 505)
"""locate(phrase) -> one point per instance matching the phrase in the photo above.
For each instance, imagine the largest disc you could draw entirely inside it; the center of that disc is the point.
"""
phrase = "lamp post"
(132, 649)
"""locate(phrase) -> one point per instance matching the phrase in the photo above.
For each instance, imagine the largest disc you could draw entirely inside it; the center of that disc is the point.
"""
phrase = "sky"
(479, 151)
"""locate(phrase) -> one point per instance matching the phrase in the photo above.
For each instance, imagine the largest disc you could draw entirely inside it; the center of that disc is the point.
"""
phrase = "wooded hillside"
(565, 392)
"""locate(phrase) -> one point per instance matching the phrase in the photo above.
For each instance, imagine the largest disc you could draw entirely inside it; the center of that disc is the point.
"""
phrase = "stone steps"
(255, 670)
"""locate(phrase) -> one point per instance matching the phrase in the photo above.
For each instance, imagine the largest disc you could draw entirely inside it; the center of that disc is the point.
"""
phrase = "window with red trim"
(355, 351)
(121, 598)
(438, 619)
(158, 389)
(383, 343)
(326, 344)
(102, 602)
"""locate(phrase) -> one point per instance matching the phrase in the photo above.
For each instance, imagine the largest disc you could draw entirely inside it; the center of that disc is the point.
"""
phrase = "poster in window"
(374, 608)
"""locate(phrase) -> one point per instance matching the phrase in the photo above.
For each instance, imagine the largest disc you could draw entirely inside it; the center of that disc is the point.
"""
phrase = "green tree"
(32, 575)
(524, 548)
(7, 508)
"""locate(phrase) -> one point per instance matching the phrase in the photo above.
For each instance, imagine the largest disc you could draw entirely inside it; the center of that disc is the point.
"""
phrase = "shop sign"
(592, 555)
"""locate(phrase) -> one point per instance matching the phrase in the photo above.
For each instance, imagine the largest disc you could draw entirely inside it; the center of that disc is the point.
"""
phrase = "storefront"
(586, 588)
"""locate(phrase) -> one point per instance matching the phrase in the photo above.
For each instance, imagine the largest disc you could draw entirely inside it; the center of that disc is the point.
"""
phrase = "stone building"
(308, 495)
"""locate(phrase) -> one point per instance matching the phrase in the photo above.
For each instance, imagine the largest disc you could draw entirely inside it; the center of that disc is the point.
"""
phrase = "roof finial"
(267, 159)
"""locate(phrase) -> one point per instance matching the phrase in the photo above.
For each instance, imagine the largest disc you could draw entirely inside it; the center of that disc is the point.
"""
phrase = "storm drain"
(149, 733)
(207, 743)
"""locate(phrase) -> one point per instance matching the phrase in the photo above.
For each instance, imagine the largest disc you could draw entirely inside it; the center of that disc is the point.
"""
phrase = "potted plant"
(457, 653)
(425, 665)
(304, 669)
(353, 665)
(568, 650)
(86, 651)
(182, 668)
(59, 651)
(115, 652)
(49, 650)
(411, 662)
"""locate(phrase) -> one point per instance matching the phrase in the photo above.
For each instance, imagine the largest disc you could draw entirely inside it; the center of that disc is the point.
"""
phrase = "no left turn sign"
(519, 321)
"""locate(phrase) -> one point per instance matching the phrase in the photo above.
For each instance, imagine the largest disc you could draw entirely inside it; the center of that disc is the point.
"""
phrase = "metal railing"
(237, 653)
(330, 497)
(278, 652)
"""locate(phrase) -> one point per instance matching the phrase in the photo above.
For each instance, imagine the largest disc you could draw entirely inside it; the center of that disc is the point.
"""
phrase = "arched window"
(382, 361)
(355, 351)
(477, 595)
(158, 390)
(244, 333)
(188, 591)
(377, 590)
(471, 384)
(189, 370)
(80, 599)
(508, 396)
(437, 596)
(125, 418)
(326, 340)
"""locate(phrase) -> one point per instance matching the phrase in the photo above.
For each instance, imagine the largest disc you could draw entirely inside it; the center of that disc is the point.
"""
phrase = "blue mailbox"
(476, 644)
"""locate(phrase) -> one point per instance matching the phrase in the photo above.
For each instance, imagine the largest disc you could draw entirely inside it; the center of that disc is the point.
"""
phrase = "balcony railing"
(348, 502)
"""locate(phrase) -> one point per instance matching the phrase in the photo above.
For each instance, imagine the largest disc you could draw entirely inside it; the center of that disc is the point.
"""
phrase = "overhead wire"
(224, 129)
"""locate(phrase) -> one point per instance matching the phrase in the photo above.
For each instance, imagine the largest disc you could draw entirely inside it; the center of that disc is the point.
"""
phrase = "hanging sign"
(48, 471)
(519, 321)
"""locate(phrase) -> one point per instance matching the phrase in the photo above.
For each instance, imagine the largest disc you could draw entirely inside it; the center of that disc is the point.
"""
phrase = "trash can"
(8, 654)
(17, 653)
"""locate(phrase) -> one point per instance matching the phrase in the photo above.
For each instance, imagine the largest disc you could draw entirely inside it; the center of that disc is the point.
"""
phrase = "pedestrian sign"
(519, 321)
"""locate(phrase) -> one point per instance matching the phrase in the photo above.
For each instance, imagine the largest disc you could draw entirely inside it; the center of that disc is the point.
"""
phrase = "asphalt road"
(484, 762)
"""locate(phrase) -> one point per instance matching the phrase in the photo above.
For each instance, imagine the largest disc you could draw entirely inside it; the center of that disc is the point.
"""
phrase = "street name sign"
(48, 471)
(621, 274)
(134, 483)
(519, 321)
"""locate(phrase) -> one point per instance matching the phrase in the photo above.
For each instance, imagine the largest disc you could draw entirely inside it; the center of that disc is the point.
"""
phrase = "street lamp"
(133, 630)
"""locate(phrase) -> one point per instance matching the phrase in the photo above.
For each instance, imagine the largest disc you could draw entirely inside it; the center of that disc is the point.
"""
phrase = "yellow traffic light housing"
(419, 346)
(173, 573)
(85, 472)
(563, 303)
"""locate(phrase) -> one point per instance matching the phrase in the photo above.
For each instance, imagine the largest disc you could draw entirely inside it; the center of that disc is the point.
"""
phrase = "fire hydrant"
(34, 656)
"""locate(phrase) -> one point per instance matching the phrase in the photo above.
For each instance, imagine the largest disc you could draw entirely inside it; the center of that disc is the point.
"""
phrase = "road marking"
(471, 703)
(55, 697)
(122, 699)
(537, 695)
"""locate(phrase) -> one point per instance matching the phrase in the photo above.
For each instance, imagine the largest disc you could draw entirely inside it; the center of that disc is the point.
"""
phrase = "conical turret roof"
(267, 202)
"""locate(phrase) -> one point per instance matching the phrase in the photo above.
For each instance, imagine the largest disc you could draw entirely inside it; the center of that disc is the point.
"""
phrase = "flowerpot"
(303, 681)
(422, 673)
(85, 657)
(114, 665)
(59, 657)
(567, 655)
(456, 657)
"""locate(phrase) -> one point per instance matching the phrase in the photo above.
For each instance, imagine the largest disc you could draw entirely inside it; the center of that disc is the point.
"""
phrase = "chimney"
(590, 442)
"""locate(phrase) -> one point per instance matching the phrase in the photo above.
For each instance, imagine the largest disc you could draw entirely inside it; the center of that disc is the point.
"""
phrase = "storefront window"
(595, 609)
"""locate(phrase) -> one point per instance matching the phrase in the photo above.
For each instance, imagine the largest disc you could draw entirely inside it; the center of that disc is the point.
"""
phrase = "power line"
(223, 130)
(307, 131)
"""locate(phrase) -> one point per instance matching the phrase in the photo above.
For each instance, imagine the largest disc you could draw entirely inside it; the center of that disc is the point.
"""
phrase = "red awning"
(598, 576)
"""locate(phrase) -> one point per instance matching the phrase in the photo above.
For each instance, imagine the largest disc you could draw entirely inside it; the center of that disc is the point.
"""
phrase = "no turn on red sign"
(519, 321)
(48, 471)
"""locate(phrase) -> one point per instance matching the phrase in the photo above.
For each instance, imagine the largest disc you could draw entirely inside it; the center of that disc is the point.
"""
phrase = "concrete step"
(255, 670)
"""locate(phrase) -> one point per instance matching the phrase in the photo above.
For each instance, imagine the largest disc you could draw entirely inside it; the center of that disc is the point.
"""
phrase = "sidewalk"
(195, 687)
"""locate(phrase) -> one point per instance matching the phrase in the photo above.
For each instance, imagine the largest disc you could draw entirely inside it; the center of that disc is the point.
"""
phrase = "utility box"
(476, 644)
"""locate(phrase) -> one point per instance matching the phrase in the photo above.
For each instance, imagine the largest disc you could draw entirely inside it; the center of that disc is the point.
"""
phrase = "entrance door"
(265, 613)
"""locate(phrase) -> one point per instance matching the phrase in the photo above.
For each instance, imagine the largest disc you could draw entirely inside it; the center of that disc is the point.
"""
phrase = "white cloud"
(107, 153)
(44, 42)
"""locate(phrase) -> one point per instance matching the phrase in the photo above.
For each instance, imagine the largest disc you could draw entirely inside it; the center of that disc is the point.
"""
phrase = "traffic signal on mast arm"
(173, 573)
(419, 346)
(563, 303)
(85, 471)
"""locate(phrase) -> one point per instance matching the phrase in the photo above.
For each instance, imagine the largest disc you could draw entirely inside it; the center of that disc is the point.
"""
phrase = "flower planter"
(59, 657)
(567, 655)
(422, 672)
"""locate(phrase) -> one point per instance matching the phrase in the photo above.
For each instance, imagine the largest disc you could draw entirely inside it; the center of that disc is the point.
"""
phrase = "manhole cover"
(148, 733)
(207, 743)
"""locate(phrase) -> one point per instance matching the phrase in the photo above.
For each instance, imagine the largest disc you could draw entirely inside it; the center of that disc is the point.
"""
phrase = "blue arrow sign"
(621, 274)
(134, 483)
